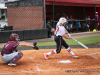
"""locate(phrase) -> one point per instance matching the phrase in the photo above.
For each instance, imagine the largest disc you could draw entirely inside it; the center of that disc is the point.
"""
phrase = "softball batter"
(59, 34)
(9, 52)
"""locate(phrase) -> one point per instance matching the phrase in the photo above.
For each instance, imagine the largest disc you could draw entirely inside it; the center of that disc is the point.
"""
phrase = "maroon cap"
(13, 37)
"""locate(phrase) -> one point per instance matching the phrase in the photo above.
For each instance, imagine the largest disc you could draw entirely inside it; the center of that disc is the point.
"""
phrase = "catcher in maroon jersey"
(9, 52)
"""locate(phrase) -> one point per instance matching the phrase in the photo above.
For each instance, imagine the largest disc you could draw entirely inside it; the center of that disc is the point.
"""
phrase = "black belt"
(59, 36)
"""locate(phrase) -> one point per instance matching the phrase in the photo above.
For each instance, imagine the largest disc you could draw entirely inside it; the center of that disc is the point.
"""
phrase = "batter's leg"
(58, 41)
(69, 49)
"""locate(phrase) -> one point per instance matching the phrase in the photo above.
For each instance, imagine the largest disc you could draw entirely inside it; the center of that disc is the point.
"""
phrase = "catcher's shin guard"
(17, 57)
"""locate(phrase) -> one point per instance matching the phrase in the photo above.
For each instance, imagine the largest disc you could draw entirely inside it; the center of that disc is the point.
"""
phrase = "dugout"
(32, 14)
(77, 8)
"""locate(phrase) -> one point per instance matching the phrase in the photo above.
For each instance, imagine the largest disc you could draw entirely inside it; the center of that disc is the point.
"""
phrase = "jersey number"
(57, 28)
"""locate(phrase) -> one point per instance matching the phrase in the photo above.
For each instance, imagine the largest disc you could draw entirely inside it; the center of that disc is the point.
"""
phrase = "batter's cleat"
(75, 56)
(46, 56)
(12, 64)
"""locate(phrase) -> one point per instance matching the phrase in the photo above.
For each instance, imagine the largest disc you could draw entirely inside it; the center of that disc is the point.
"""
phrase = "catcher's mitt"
(35, 47)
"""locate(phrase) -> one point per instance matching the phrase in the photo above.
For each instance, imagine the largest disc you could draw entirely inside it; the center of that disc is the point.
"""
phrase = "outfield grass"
(84, 40)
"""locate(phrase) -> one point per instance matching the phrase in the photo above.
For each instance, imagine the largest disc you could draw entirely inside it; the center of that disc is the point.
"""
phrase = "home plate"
(65, 61)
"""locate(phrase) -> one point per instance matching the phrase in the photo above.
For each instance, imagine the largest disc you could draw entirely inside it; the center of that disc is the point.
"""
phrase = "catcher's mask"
(13, 37)
(63, 20)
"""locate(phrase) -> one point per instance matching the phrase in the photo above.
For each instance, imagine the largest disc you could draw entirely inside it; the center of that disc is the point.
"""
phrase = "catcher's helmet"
(13, 37)
(62, 20)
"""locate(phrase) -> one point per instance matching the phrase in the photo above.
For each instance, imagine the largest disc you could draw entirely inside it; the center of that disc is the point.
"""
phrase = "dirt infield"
(33, 63)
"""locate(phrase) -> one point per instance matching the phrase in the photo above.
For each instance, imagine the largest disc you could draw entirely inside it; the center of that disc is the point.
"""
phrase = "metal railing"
(79, 21)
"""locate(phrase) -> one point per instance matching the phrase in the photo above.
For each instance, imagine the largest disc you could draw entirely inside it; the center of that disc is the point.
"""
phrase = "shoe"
(75, 56)
(46, 56)
(12, 64)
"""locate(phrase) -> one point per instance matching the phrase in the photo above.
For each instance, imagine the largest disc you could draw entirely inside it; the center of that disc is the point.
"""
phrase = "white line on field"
(31, 58)
(35, 71)
(20, 72)
(92, 56)
(68, 69)
(37, 68)
(95, 53)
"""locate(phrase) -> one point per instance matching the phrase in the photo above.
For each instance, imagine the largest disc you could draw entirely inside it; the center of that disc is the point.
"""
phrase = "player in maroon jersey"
(9, 52)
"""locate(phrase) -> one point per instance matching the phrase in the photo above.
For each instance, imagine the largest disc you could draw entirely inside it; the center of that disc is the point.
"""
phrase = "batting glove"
(69, 35)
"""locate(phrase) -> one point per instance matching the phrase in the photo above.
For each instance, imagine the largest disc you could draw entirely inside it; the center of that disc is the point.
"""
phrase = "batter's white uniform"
(60, 31)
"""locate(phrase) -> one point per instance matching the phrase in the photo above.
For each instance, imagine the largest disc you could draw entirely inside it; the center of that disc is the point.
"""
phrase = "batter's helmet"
(63, 20)
(13, 37)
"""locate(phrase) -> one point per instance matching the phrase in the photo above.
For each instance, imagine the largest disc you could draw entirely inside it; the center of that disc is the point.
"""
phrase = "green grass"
(84, 40)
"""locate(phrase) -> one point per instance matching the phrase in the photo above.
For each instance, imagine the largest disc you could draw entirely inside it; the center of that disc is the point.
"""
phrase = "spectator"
(70, 23)
(86, 24)
(67, 17)
(50, 29)
(66, 26)
(54, 26)
(97, 20)
(63, 15)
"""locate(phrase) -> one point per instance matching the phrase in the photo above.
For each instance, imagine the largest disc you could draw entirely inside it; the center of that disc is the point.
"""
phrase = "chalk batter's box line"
(67, 63)
(56, 63)
(35, 71)
(62, 59)
(70, 69)
(93, 54)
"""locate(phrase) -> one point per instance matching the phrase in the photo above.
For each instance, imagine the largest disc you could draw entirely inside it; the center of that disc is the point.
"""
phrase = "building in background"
(3, 12)
(3, 15)
(25, 14)
(29, 14)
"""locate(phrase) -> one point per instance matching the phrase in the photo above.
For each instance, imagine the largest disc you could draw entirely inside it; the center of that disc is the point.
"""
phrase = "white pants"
(8, 57)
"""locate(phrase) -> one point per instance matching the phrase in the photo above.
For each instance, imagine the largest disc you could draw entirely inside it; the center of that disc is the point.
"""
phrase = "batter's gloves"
(69, 35)
(35, 47)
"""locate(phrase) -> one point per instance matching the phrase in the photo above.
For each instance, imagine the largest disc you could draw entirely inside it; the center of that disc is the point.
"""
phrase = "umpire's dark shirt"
(48, 26)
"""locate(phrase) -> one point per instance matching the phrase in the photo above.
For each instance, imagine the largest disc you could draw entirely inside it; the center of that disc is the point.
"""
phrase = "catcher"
(10, 54)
